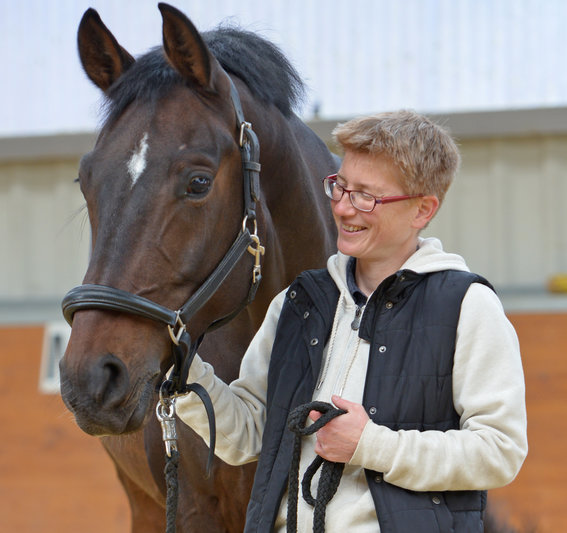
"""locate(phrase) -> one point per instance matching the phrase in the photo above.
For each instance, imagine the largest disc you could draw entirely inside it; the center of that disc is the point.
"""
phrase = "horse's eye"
(199, 186)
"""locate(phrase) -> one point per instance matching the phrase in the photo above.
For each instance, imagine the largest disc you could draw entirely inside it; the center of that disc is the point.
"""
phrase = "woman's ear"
(426, 208)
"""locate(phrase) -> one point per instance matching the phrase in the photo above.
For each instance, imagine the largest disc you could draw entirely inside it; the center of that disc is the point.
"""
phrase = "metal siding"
(554, 168)
(356, 57)
(44, 239)
(505, 211)
(505, 214)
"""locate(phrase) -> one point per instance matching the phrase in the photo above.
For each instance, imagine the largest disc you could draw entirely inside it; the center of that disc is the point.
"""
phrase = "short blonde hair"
(425, 152)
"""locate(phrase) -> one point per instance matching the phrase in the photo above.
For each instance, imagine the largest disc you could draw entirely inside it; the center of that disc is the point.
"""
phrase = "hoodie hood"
(429, 257)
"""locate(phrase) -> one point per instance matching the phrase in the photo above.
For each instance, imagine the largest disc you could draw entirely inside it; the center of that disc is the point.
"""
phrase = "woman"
(396, 332)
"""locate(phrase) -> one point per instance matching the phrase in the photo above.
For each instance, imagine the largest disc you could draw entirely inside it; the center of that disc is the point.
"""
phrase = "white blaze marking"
(137, 163)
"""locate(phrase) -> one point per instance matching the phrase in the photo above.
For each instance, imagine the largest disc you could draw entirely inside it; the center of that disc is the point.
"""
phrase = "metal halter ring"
(181, 329)
(245, 222)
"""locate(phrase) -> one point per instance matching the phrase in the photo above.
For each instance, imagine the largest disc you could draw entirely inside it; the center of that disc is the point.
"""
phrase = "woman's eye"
(366, 196)
(199, 185)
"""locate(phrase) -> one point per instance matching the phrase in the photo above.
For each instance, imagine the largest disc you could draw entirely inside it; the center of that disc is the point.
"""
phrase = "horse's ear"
(185, 48)
(103, 59)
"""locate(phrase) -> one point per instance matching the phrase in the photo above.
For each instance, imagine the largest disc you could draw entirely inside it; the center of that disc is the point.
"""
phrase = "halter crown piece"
(92, 296)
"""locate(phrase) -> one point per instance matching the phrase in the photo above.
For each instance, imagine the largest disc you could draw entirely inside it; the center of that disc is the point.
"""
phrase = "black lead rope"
(183, 354)
(172, 488)
(330, 472)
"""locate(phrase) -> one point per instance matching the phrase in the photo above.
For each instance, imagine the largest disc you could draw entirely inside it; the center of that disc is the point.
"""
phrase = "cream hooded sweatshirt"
(488, 394)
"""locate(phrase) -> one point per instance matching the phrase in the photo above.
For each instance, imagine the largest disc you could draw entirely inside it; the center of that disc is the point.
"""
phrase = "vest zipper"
(355, 324)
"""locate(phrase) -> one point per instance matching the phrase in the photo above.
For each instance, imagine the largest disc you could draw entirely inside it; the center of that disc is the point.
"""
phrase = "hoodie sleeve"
(240, 408)
(489, 396)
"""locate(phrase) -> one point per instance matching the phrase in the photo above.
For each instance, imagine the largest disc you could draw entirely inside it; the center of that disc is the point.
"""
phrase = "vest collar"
(389, 293)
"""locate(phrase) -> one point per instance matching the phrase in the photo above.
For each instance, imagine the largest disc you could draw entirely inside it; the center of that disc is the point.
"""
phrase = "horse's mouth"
(128, 417)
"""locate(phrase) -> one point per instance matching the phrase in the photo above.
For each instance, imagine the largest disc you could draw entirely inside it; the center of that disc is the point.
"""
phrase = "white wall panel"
(356, 57)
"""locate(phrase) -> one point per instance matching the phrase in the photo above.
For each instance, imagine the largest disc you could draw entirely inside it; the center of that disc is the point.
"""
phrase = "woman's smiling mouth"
(352, 229)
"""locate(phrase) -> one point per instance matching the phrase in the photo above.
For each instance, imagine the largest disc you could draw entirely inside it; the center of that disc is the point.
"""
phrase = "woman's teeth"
(352, 228)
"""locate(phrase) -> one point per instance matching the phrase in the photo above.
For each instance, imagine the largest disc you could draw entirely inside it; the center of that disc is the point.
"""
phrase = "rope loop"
(330, 472)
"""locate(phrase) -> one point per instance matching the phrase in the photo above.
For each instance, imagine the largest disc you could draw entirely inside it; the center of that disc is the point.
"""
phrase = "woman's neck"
(369, 274)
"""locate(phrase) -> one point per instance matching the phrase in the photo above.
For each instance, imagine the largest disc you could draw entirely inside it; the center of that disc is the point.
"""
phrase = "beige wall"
(44, 233)
(505, 214)
(506, 210)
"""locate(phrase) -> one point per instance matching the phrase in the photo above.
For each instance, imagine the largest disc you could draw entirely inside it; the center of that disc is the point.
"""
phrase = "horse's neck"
(299, 230)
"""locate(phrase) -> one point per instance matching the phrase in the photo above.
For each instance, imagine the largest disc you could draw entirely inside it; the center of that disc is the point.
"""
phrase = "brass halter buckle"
(243, 126)
(257, 251)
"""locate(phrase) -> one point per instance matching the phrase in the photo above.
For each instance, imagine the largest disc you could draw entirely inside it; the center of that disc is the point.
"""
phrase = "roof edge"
(462, 125)
(41, 147)
(483, 124)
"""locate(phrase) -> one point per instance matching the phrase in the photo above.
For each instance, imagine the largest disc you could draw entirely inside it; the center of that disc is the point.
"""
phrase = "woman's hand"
(337, 440)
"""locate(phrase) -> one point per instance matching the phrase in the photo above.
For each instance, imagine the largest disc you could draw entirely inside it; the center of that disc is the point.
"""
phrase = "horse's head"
(163, 187)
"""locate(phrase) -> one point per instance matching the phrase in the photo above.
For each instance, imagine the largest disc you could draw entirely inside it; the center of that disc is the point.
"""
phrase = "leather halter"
(92, 296)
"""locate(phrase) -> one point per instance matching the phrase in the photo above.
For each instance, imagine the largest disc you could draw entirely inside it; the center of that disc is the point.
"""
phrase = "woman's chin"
(347, 248)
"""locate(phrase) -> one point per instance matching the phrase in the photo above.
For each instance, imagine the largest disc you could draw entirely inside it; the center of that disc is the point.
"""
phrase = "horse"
(164, 193)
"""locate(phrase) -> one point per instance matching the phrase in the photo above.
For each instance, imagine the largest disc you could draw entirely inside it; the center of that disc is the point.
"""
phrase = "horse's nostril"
(109, 381)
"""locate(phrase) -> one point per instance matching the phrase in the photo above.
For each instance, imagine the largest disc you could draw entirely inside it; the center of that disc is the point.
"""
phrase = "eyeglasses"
(360, 200)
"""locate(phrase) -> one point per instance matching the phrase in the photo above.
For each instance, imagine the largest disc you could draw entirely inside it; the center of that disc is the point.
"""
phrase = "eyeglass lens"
(359, 199)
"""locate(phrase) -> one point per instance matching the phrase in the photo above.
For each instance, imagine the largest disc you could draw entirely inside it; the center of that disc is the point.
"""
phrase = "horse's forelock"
(146, 81)
(259, 63)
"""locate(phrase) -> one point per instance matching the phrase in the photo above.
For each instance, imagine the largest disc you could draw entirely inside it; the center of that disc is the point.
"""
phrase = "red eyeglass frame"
(378, 200)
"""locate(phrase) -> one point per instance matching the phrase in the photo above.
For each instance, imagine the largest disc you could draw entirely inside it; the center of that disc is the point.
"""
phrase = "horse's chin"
(120, 420)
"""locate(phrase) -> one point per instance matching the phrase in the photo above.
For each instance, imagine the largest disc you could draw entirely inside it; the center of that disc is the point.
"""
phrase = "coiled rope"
(330, 472)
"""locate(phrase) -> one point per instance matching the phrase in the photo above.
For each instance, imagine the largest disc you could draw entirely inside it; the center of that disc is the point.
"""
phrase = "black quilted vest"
(411, 322)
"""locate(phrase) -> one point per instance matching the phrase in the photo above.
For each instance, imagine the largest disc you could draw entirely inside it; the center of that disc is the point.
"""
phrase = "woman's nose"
(344, 205)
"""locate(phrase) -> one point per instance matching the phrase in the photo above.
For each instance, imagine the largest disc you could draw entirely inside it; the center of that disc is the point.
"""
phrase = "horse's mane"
(259, 63)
